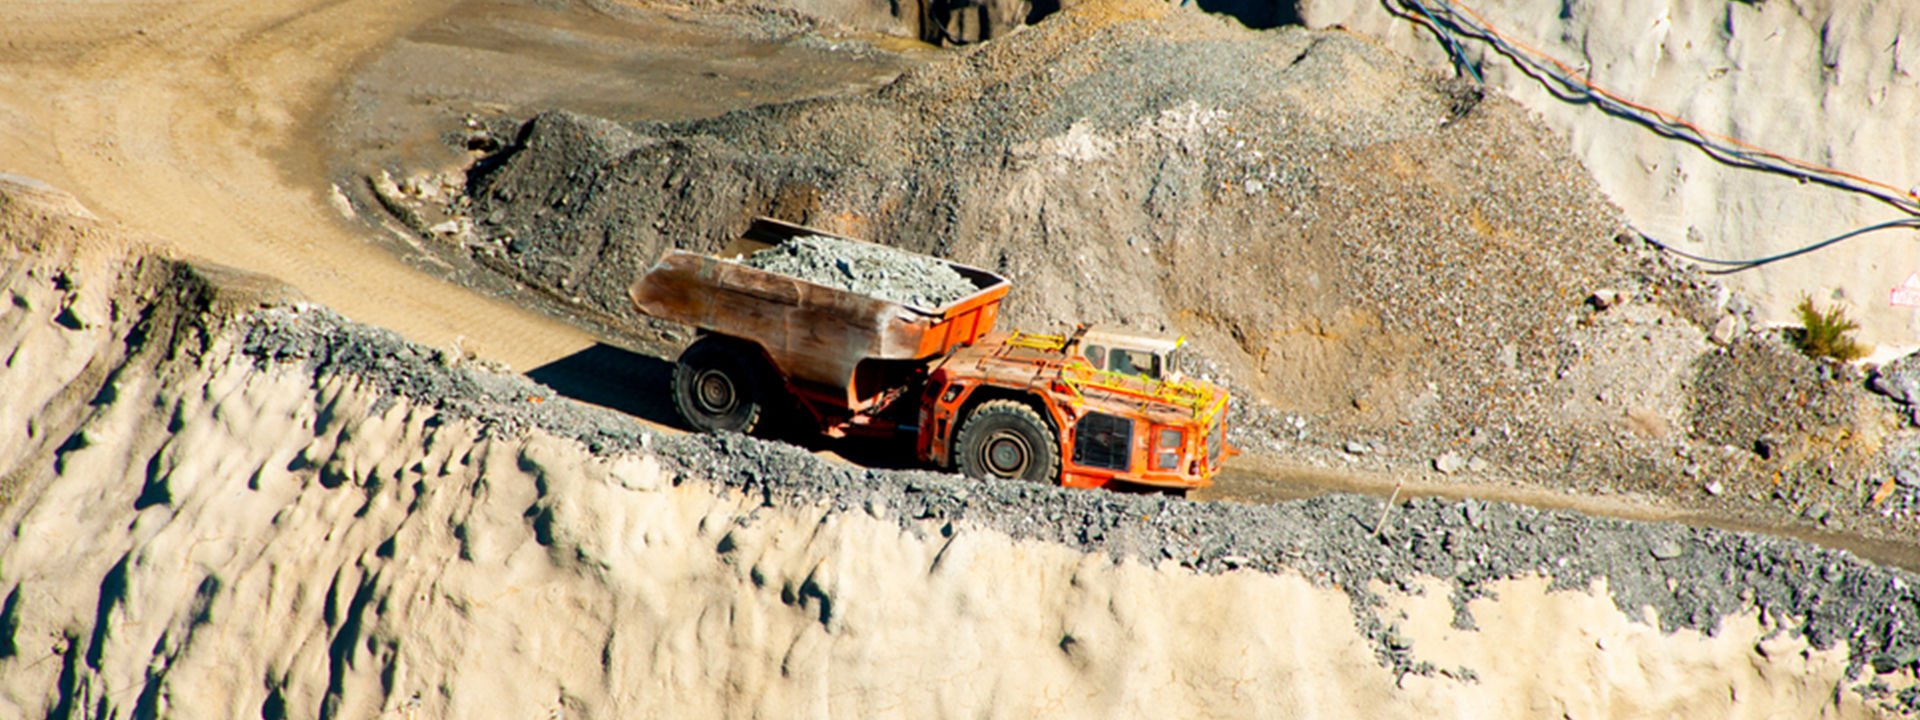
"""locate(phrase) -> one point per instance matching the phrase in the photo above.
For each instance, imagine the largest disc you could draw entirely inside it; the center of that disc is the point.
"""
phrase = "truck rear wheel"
(715, 388)
(1006, 439)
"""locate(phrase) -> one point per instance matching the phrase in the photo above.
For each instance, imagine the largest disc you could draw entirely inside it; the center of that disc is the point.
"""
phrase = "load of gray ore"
(866, 269)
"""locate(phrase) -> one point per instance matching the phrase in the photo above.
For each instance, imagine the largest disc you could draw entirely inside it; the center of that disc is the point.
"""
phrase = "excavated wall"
(224, 502)
(1829, 81)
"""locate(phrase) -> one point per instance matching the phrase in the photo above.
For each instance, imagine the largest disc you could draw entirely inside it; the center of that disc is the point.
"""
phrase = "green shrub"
(1826, 335)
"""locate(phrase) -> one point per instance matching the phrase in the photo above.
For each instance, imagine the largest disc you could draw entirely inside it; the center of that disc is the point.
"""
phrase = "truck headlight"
(1167, 446)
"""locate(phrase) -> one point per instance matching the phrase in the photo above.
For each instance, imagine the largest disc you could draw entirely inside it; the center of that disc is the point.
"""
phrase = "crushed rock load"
(217, 509)
(865, 269)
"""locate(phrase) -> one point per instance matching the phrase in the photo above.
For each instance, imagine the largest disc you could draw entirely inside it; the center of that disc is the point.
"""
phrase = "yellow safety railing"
(1199, 398)
(1037, 341)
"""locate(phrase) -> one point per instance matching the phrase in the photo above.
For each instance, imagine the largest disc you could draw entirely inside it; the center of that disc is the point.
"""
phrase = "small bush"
(1826, 335)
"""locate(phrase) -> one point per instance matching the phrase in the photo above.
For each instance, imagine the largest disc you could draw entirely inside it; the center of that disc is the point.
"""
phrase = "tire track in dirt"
(1263, 479)
(195, 122)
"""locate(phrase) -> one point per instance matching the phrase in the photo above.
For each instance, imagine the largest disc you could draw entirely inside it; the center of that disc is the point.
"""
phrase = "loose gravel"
(1900, 381)
(865, 269)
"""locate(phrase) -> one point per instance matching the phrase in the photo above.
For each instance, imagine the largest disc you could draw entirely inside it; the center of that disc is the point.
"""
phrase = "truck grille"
(1103, 441)
(1216, 443)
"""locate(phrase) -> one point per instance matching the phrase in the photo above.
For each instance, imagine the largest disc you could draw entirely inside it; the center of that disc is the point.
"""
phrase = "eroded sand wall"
(1828, 81)
(205, 537)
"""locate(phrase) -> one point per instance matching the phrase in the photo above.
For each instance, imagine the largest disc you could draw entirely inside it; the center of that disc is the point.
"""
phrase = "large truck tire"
(715, 388)
(1007, 439)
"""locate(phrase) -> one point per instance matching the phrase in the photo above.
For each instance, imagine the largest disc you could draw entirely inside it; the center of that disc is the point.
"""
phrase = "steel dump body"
(829, 344)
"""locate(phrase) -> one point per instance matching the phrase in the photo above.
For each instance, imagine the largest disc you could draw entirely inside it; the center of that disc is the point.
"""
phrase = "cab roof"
(1109, 336)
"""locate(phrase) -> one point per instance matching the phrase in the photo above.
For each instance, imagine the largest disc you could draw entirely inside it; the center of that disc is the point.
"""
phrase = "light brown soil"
(195, 122)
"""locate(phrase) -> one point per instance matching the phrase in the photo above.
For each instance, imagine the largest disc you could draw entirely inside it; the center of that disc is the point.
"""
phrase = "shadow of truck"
(615, 378)
(641, 385)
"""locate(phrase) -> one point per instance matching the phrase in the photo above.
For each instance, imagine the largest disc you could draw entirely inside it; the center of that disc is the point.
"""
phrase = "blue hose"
(1453, 48)
(1735, 266)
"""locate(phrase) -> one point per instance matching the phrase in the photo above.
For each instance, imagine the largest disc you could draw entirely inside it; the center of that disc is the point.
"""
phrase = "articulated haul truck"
(1090, 408)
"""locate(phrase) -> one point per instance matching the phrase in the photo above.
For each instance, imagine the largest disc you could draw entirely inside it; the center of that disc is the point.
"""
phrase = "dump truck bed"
(832, 345)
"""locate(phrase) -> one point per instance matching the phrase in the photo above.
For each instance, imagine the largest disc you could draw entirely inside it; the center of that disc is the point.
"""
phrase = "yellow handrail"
(1196, 397)
(1037, 341)
(1076, 374)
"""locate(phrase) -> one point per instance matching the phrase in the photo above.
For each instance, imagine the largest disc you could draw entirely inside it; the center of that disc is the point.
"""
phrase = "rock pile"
(865, 269)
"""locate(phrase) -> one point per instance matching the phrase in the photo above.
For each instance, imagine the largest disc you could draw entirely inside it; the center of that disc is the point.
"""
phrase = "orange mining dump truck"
(1089, 409)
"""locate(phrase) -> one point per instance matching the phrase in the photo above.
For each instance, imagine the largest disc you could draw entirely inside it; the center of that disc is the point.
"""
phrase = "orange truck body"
(1112, 428)
(855, 364)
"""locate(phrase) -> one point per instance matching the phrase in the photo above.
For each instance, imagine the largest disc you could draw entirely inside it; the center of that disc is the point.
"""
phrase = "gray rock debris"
(1900, 380)
(1724, 330)
(1665, 550)
(866, 269)
(1606, 298)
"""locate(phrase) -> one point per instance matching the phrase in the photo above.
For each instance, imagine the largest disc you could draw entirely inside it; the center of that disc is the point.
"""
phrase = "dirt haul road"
(193, 121)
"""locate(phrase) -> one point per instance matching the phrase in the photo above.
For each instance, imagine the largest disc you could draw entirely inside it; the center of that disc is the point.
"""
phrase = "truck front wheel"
(715, 388)
(1006, 439)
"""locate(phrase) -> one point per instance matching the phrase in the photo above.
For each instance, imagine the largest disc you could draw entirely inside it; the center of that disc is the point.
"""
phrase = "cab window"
(1134, 362)
(1097, 357)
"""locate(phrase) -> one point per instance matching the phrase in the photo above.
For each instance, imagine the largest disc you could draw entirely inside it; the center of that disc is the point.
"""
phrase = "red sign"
(1907, 293)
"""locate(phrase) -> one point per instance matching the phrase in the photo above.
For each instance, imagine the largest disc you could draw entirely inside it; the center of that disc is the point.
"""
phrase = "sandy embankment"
(201, 535)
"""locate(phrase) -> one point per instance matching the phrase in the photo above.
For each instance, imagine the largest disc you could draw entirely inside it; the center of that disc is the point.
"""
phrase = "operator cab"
(1123, 352)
